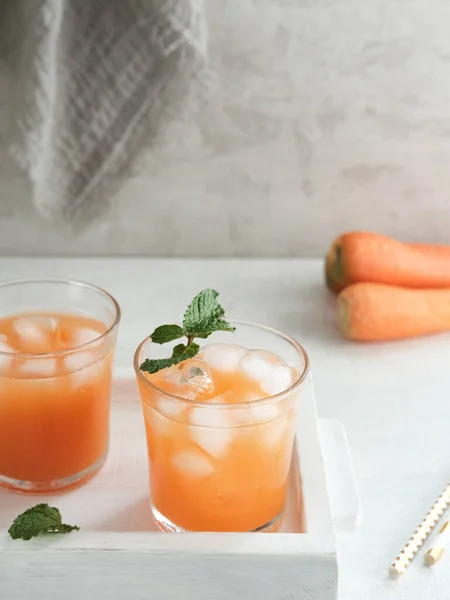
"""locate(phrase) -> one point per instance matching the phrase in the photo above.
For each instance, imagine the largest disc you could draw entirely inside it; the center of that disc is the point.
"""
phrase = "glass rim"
(68, 282)
(269, 399)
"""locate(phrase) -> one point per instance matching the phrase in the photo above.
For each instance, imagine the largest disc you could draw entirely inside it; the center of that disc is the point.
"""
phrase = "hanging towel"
(92, 82)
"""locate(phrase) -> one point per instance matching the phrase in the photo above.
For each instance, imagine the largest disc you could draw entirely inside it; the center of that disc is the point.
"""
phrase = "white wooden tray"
(120, 555)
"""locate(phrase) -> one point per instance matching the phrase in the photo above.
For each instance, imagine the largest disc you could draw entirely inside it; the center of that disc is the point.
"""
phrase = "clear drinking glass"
(215, 466)
(57, 341)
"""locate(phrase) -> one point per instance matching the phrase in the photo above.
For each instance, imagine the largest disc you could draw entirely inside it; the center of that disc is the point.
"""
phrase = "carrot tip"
(334, 269)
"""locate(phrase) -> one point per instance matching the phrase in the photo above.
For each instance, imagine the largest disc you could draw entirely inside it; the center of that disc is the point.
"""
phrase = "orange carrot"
(368, 257)
(374, 312)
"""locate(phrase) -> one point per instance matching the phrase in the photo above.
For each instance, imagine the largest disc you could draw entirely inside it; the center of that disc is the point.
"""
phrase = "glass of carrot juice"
(220, 430)
(57, 341)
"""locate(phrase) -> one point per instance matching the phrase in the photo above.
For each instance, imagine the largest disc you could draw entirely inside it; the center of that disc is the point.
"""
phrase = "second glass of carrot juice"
(220, 427)
(57, 341)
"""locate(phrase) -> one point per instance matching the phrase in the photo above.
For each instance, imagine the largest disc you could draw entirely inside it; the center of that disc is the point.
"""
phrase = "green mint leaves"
(201, 318)
(41, 518)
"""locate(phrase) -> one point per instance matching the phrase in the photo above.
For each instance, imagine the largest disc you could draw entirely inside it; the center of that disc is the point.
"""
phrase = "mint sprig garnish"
(38, 519)
(202, 317)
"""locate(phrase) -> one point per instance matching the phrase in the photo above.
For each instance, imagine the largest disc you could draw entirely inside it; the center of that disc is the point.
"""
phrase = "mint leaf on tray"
(39, 519)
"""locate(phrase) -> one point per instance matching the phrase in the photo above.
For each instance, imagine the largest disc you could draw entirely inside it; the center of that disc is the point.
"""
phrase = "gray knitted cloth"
(93, 82)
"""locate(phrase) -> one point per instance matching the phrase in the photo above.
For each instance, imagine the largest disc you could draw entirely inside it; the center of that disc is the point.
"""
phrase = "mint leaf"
(153, 365)
(179, 354)
(166, 333)
(188, 352)
(179, 349)
(203, 316)
(41, 518)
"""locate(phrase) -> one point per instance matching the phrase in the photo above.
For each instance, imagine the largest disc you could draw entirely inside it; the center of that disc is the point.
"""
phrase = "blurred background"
(326, 116)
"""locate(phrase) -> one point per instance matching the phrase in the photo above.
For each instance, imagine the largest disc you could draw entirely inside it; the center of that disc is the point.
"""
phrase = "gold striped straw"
(411, 548)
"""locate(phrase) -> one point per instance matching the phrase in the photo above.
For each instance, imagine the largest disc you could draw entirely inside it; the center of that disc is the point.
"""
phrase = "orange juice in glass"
(57, 341)
(220, 430)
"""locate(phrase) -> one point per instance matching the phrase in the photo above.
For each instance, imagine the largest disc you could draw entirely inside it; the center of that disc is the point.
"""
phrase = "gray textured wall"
(329, 115)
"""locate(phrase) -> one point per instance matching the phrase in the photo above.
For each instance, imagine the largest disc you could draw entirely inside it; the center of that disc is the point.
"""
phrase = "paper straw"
(409, 551)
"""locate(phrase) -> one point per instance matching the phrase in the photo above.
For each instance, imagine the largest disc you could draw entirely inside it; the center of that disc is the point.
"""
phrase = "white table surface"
(394, 399)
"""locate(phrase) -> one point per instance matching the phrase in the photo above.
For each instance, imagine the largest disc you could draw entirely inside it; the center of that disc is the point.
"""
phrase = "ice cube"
(159, 424)
(5, 347)
(79, 361)
(223, 357)
(35, 332)
(214, 442)
(207, 416)
(190, 378)
(255, 364)
(192, 463)
(211, 429)
(272, 374)
(255, 415)
(39, 367)
(265, 413)
(278, 380)
(274, 433)
(5, 360)
(170, 408)
(84, 335)
(84, 368)
(225, 398)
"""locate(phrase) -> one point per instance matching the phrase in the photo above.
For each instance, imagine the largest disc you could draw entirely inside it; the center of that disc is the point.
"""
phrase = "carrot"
(368, 257)
(374, 312)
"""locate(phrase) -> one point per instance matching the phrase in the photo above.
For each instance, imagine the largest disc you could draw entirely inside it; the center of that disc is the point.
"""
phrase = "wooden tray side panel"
(161, 576)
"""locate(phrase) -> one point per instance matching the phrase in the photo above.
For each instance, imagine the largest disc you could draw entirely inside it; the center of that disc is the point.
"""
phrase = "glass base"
(164, 524)
(57, 485)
